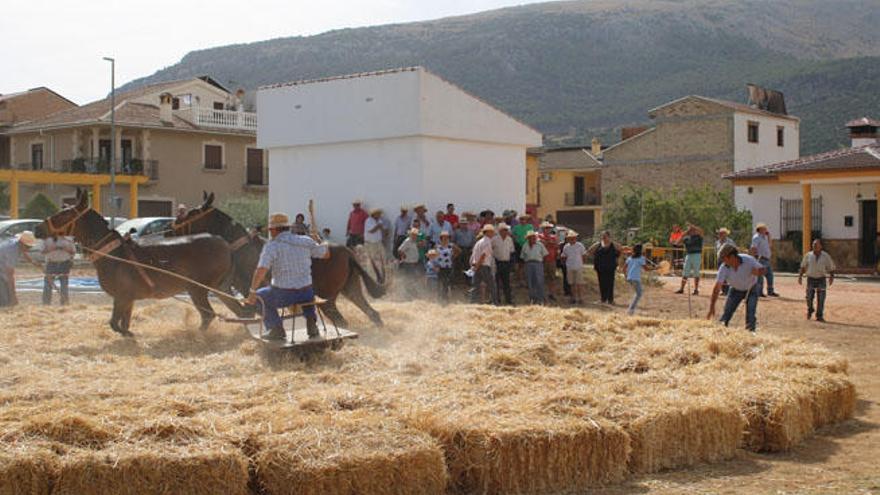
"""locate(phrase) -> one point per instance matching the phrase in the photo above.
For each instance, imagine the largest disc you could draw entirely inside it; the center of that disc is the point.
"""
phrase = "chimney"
(628, 132)
(597, 147)
(165, 114)
(863, 131)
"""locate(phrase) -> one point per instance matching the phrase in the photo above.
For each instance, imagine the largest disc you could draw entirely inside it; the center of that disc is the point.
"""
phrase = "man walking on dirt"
(761, 245)
(289, 257)
(740, 272)
(693, 259)
(817, 265)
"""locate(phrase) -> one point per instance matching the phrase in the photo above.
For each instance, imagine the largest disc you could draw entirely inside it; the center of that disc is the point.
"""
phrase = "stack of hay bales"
(472, 399)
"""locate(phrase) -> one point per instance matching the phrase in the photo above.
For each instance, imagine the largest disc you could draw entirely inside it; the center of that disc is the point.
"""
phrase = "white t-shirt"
(372, 236)
(502, 248)
(574, 255)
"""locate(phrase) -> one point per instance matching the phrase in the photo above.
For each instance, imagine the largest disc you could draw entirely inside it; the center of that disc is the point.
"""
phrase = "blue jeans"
(816, 287)
(637, 286)
(274, 298)
(535, 281)
(766, 264)
(734, 297)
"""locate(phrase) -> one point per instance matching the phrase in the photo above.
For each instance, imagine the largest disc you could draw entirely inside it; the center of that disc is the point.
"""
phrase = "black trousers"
(502, 278)
(445, 285)
(606, 284)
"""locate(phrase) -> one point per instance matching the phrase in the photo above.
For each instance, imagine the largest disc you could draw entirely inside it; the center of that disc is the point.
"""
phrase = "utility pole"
(113, 199)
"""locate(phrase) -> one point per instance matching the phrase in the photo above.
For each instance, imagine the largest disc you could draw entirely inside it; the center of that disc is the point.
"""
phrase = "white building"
(401, 136)
(842, 187)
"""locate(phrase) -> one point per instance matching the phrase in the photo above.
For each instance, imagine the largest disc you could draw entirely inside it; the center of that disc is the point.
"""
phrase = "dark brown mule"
(205, 259)
(341, 273)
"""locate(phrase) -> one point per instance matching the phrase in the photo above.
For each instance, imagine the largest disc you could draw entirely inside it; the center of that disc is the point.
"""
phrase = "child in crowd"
(634, 266)
(432, 271)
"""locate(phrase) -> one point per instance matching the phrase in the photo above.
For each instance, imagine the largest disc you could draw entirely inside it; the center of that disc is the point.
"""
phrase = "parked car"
(117, 221)
(146, 227)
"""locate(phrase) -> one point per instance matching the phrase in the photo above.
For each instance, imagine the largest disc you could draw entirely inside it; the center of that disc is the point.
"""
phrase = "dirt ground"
(844, 458)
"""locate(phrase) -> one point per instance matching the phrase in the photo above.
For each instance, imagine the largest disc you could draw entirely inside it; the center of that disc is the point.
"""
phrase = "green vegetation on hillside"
(585, 68)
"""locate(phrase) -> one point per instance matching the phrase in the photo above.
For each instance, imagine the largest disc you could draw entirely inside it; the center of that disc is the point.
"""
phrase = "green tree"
(247, 210)
(40, 206)
(654, 212)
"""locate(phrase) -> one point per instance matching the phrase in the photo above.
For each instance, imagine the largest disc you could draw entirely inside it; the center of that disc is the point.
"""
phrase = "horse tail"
(376, 288)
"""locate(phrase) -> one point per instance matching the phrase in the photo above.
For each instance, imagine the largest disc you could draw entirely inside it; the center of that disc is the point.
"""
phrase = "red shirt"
(452, 219)
(356, 221)
(552, 244)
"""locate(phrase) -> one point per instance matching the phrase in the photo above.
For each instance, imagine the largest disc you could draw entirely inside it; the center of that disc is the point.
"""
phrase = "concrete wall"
(838, 201)
(765, 151)
(532, 174)
(561, 183)
(390, 172)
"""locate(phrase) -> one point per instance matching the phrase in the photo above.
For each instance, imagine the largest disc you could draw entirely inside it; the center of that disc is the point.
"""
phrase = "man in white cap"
(532, 254)
(374, 240)
(503, 248)
(10, 250)
(573, 254)
(289, 257)
(483, 266)
(761, 247)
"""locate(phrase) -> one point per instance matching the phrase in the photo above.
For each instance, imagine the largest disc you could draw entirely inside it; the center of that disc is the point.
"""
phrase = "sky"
(60, 43)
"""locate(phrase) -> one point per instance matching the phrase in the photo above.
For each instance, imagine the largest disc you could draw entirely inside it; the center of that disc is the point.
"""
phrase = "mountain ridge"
(582, 68)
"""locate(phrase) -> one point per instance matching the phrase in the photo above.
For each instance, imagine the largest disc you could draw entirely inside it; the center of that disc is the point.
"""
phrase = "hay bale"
(348, 453)
(779, 419)
(205, 467)
(497, 452)
(684, 437)
(26, 468)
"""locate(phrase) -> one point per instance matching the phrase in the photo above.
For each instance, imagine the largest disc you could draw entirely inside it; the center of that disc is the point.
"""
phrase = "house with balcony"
(172, 140)
(569, 185)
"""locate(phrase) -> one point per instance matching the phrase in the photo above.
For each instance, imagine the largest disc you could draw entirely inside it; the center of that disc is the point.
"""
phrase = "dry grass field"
(459, 398)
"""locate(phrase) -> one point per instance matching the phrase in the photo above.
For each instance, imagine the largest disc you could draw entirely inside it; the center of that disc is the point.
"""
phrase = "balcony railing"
(586, 199)
(226, 119)
(134, 166)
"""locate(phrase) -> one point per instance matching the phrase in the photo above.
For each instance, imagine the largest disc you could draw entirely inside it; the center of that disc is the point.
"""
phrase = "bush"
(40, 206)
(247, 210)
(654, 212)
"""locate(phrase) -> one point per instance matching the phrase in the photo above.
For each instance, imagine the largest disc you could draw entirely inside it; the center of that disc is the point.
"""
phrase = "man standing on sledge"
(289, 257)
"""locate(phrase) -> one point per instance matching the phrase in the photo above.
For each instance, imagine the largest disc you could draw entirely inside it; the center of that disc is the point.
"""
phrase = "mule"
(341, 273)
(205, 259)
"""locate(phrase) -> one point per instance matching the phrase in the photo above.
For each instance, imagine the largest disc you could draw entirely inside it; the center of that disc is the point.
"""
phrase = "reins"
(178, 227)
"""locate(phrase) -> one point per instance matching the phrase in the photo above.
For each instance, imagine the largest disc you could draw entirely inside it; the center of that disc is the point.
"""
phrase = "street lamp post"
(113, 200)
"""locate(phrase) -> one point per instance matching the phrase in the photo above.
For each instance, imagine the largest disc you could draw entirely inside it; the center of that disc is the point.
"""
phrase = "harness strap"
(104, 250)
(240, 242)
(177, 227)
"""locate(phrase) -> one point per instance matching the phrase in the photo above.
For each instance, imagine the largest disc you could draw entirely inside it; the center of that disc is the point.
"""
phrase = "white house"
(401, 136)
(833, 193)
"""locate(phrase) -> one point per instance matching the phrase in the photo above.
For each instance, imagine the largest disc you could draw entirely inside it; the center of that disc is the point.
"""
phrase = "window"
(255, 176)
(214, 156)
(175, 103)
(791, 214)
(218, 105)
(780, 136)
(37, 156)
(753, 132)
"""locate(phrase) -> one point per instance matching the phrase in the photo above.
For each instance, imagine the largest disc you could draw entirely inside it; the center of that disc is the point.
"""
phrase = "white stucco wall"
(388, 173)
(765, 151)
(838, 201)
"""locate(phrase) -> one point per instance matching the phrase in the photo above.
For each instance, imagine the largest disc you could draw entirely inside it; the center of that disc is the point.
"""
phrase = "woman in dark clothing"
(605, 254)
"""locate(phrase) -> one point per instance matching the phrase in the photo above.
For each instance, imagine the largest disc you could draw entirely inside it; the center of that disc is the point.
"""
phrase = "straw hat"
(420, 206)
(760, 226)
(488, 228)
(724, 230)
(404, 208)
(524, 216)
(571, 234)
(503, 226)
(376, 211)
(531, 233)
(357, 201)
(27, 238)
(546, 225)
(278, 220)
(444, 234)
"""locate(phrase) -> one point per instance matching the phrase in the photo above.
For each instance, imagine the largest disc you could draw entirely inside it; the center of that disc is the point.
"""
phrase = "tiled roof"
(346, 76)
(568, 159)
(863, 157)
(737, 107)
(863, 122)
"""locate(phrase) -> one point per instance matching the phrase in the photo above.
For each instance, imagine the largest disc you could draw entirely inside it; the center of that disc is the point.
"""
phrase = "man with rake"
(740, 272)
(289, 257)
